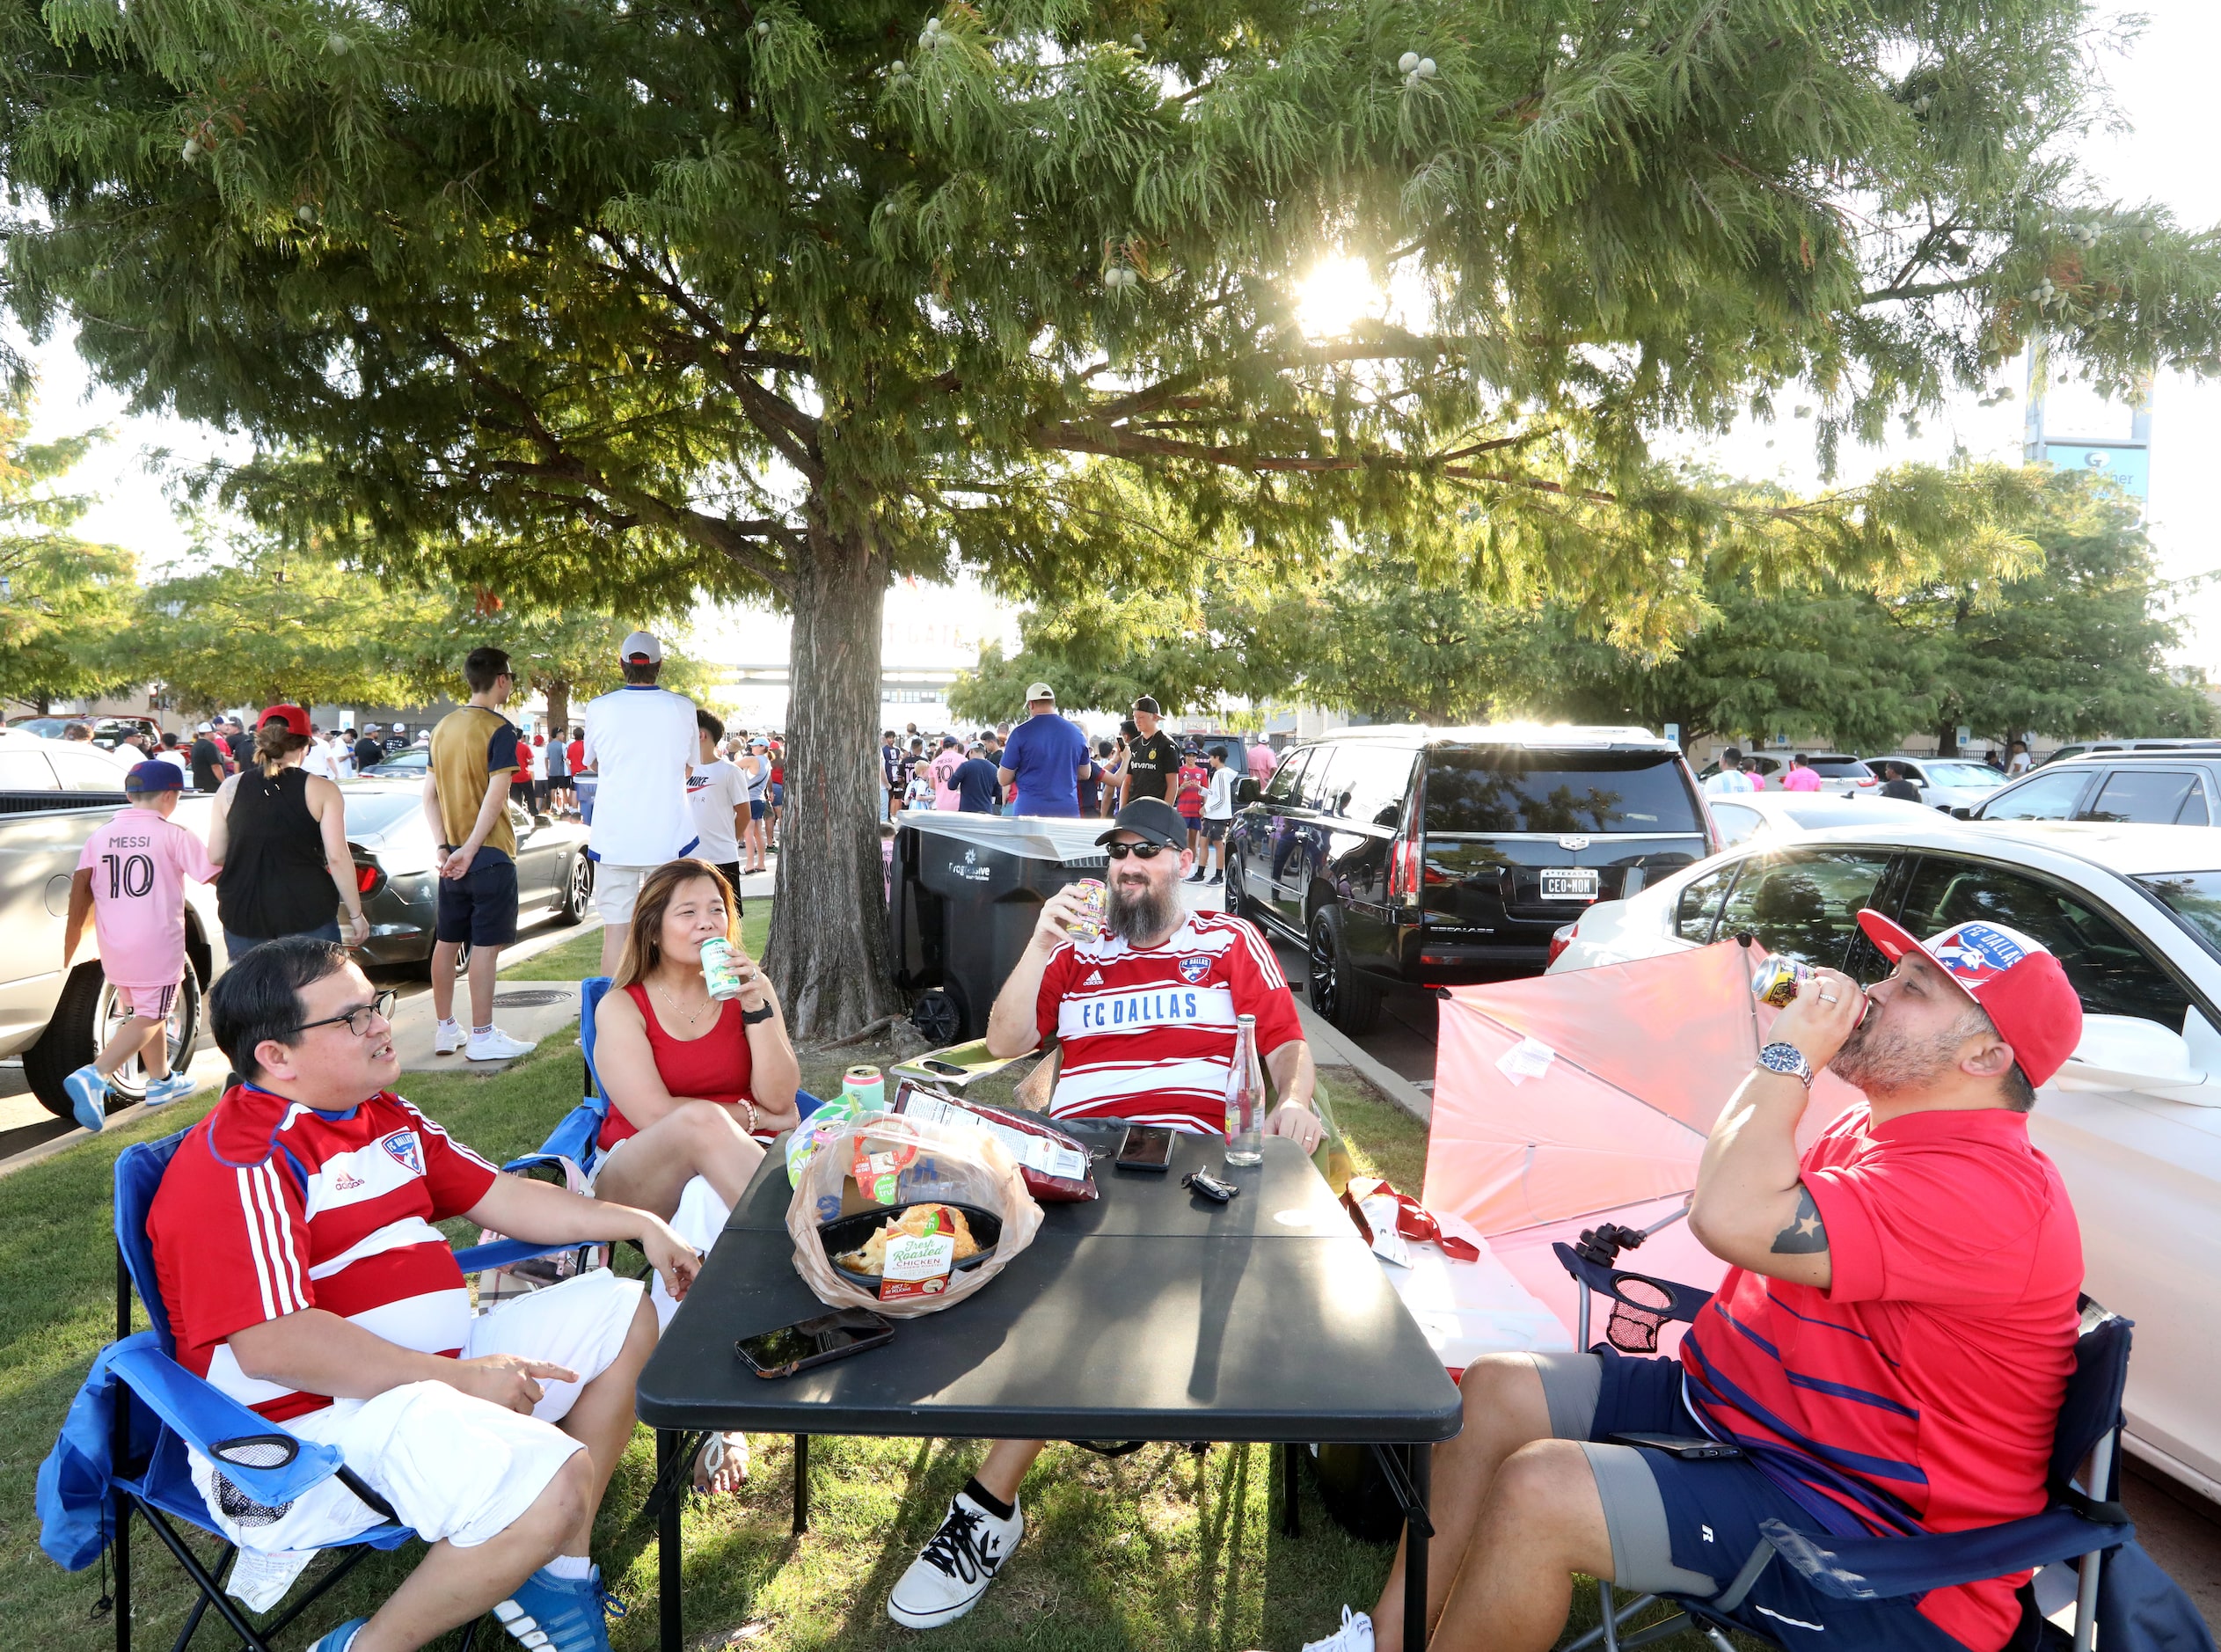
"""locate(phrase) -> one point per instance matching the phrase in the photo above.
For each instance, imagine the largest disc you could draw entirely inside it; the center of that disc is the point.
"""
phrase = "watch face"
(1782, 1058)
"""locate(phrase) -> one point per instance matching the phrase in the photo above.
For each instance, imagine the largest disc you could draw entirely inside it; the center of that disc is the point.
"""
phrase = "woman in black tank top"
(281, 836)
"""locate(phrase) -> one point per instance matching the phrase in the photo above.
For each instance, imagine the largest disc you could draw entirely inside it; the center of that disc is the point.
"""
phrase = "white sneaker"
(495, 1046)
(447, 1038)
(952, 1571)
(1355, 1636)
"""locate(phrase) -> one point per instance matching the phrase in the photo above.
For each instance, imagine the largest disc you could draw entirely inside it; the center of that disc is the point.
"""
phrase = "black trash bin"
(968, 891)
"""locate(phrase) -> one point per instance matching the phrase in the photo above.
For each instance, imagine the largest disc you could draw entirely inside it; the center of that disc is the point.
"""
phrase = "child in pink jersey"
(131, 877)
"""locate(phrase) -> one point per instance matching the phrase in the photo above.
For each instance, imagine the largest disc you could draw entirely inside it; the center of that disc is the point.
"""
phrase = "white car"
(29, 763)
(1779, 816)
(2133, 1120)
(1945, 783)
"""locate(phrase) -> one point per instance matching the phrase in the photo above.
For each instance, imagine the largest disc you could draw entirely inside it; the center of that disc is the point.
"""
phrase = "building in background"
(2069, 426)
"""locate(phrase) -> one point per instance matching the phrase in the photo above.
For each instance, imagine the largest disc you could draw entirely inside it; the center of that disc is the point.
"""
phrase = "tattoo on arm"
(1806, 1235)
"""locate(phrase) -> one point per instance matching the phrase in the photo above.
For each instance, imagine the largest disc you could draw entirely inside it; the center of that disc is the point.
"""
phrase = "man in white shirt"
(1218, 817)
(641, 744)
(1730, 779)
(718, 794)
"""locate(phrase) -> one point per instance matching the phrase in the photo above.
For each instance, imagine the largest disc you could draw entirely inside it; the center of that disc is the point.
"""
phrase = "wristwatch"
(765, 1014)
(1784, 1057)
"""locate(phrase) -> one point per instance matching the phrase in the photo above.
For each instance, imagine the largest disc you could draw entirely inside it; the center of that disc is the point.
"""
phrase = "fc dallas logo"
(1193, 969)
(402, 1145)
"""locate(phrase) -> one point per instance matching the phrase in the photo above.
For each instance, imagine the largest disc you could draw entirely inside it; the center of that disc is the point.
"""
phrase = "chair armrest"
(1885, 1567)
(266, 1461)
(484, 1259)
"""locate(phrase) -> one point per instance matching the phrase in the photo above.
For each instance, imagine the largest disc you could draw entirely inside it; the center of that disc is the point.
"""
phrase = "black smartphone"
(1146, 1147)
(1690, 1448)
(807, 1342)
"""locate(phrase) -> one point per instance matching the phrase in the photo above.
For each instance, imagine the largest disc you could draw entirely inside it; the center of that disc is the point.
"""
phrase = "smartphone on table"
(1146, 1147)
(808, 1342)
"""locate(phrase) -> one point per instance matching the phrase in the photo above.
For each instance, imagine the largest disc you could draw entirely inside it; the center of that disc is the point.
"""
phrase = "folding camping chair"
(2081, 1523)
(154, 1408)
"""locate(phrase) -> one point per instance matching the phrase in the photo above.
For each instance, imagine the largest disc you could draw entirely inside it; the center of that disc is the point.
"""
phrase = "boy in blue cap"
(131, 879)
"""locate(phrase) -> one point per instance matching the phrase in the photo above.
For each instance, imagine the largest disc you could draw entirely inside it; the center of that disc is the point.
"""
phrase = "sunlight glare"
(1336, 293)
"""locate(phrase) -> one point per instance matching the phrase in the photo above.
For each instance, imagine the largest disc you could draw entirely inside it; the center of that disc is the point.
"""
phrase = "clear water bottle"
(1246, 1100)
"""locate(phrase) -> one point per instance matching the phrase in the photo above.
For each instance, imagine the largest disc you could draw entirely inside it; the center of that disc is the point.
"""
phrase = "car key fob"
(1209, 1186)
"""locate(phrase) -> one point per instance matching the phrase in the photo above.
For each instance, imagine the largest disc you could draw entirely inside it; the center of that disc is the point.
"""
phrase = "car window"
(1964, 774)
(82, 771)
(1838, 768)
(1698, 904)
(1282, 787)
(2047, 797)
(373, 810)
(1804, 904)
(24, 771)
(2109, 968)
(1319, 779)
(2195, 898)
(1514, 789)
(1370, 783)
(1737, 824)
(2155, 796)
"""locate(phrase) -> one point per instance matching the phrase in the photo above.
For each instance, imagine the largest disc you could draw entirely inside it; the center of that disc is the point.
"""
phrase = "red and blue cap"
(2015, 978)
(154, 775)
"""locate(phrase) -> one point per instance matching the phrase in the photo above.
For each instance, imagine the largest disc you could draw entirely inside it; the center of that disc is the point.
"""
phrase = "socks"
(571, 1566)
(988, 1501)
(483, 1032)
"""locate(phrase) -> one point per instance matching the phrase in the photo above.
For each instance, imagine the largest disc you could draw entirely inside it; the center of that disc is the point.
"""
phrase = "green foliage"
(64, 599)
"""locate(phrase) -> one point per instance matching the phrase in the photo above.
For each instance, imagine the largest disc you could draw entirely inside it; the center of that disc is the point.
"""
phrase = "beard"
(1139, 916)
(1881, 1059)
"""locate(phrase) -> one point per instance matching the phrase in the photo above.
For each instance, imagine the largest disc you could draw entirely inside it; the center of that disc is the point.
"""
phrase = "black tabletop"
(1148, 1314)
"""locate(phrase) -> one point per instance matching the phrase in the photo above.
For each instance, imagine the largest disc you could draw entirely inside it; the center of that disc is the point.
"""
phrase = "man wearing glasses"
(294, 1243)
(1145, 1020)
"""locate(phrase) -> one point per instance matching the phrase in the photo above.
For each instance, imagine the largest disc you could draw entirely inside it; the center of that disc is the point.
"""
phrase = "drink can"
(720, 973)
(866, 1087)
(1778, 980)
(1094, 908)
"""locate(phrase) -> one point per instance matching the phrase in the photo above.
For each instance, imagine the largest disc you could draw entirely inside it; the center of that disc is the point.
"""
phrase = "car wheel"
(86, 1017)
(577, 891)
(1237, 901)
(1338, 992)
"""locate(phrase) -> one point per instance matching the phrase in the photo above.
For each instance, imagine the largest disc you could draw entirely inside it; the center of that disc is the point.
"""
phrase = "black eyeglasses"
(358, 1018)
(1146, 852)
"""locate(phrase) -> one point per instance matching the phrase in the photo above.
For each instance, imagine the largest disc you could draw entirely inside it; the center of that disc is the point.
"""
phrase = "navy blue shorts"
(480, 906)
(1712, 1512)
(756, 810)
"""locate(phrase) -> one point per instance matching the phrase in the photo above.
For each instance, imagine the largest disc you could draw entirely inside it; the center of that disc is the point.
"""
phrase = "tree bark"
(558, 709)
(827, 952)
(1948, 737)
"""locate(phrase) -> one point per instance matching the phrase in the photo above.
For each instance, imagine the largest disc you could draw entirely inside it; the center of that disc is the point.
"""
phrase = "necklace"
(693, 1017)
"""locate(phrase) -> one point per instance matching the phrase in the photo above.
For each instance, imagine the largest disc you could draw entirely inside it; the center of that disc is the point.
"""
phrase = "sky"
(2163, 86)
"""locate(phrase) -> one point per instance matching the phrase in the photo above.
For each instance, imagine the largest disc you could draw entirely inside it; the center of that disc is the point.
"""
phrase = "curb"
(1331, 1048)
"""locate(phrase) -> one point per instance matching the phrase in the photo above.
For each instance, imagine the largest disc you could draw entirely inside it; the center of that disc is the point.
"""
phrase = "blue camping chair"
(2119, 1595)
(122, 1447)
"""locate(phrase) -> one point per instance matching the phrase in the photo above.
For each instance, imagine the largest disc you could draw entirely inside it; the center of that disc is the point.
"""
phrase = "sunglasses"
(1145, 852)
(358, 1018)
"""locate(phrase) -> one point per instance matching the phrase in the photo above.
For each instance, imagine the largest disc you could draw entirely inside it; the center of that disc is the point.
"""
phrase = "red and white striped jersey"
(270, 1207)
(1149, 1034)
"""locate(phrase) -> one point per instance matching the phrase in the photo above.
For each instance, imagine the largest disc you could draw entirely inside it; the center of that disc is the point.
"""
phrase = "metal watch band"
(1790, 1064)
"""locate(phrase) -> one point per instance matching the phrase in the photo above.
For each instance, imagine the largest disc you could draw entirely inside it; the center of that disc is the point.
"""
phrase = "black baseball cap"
(1147, 703)
(1152, 818)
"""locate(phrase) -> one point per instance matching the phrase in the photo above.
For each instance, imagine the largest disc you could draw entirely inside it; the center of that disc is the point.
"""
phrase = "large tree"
(788, 297)
(62, 600)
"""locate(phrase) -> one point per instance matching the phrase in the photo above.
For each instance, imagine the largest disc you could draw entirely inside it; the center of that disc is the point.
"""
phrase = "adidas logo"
(1094, 980)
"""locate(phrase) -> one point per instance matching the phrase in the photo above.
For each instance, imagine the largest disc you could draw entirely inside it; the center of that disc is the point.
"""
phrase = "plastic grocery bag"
(903, 1162)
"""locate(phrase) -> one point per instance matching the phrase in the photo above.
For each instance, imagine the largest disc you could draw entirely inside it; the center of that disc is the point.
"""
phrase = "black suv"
(2161, 785)
(1407, 857)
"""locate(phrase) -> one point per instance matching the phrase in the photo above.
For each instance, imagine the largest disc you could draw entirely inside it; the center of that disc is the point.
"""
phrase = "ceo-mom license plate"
(1568, 883)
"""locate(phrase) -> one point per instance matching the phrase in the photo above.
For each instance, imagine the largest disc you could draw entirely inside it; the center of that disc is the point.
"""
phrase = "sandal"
(720, 1467)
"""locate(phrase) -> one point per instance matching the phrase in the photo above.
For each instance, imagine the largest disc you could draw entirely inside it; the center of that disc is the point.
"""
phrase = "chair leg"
(801, 1484)
(208, 1585)
(201, 1606)
(1291, 1518)
(120, 1552)
(1607, 1620)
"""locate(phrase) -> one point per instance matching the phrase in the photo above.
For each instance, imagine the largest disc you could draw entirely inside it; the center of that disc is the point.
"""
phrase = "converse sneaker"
(1355, 1636)
(493, 1044)
(952, 1571)
(447, 1038)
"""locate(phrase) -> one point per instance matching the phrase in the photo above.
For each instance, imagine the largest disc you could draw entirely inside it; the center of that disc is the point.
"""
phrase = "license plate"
(1568, 883)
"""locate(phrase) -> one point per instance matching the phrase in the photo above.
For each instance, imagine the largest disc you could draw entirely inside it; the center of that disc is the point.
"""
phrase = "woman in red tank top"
(695, 1085)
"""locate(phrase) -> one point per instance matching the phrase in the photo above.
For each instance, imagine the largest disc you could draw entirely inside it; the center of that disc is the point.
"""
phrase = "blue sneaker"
(559, 1614)
(88, 1097)
(337, 1640)
(162, 1091)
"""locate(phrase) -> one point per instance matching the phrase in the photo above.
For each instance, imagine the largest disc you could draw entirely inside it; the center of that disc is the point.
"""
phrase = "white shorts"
(454, 1467)
(616, 889)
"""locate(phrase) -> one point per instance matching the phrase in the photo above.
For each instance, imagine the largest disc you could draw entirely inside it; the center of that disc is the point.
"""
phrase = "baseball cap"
(154, 775)
(1146, 703)
(1149, 817)
(640, 645)
(948, 742)
(2014, 978)
(1041, 691)
(205, 728)
(401, 728)
(292, 716)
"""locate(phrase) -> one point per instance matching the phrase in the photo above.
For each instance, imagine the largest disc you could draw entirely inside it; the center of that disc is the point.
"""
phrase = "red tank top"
(715, 1067)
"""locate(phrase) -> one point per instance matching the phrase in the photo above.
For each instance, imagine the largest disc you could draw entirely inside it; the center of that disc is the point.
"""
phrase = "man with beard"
(1887, 1351)
(1145, 1020)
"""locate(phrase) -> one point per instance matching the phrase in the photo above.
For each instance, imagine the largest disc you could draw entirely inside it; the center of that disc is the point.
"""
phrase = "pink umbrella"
(1572, 1100)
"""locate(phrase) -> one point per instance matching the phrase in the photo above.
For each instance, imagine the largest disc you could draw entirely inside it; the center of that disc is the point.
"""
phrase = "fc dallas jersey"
(1149, 1034)
(270, 1207)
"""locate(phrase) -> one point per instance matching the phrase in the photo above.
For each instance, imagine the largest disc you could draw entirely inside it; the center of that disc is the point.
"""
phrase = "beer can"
(1094, 908)
(720, 973)
(1778, 980)
(866, 1087)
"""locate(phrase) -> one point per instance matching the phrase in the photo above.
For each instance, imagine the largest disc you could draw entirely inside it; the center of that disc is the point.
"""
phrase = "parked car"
(1945, 783)
(411, 762)
(1779, 816)
(2134, 1123)
(1415, 858)
(57, 1021)
(1841, 772)
(395, 852)
(44, 727)
(29, 763)
(109, 732)
(2165, 787)
(2164, 744)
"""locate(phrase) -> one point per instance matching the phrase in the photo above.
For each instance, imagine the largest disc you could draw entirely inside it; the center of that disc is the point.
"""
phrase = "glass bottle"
(1246, 1100)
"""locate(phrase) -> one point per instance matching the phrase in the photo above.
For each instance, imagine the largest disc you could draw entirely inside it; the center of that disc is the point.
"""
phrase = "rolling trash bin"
(968, 890)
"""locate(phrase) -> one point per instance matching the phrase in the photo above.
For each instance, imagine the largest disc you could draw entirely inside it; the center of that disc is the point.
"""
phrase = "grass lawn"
(580, 956)
(1159, 1550)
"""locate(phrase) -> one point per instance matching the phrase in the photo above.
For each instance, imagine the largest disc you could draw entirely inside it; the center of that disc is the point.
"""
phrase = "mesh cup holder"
(1639, 1308)
(255, 1450)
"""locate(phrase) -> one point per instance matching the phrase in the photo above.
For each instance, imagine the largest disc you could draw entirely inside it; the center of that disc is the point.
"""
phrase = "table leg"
(668, 1568)
(801, 1484)
(1419, 1460)
(1291, 1520)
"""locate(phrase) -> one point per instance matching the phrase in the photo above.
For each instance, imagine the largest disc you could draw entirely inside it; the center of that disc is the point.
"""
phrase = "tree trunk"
(1948, 737)
(827, 952)
(558, 710)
